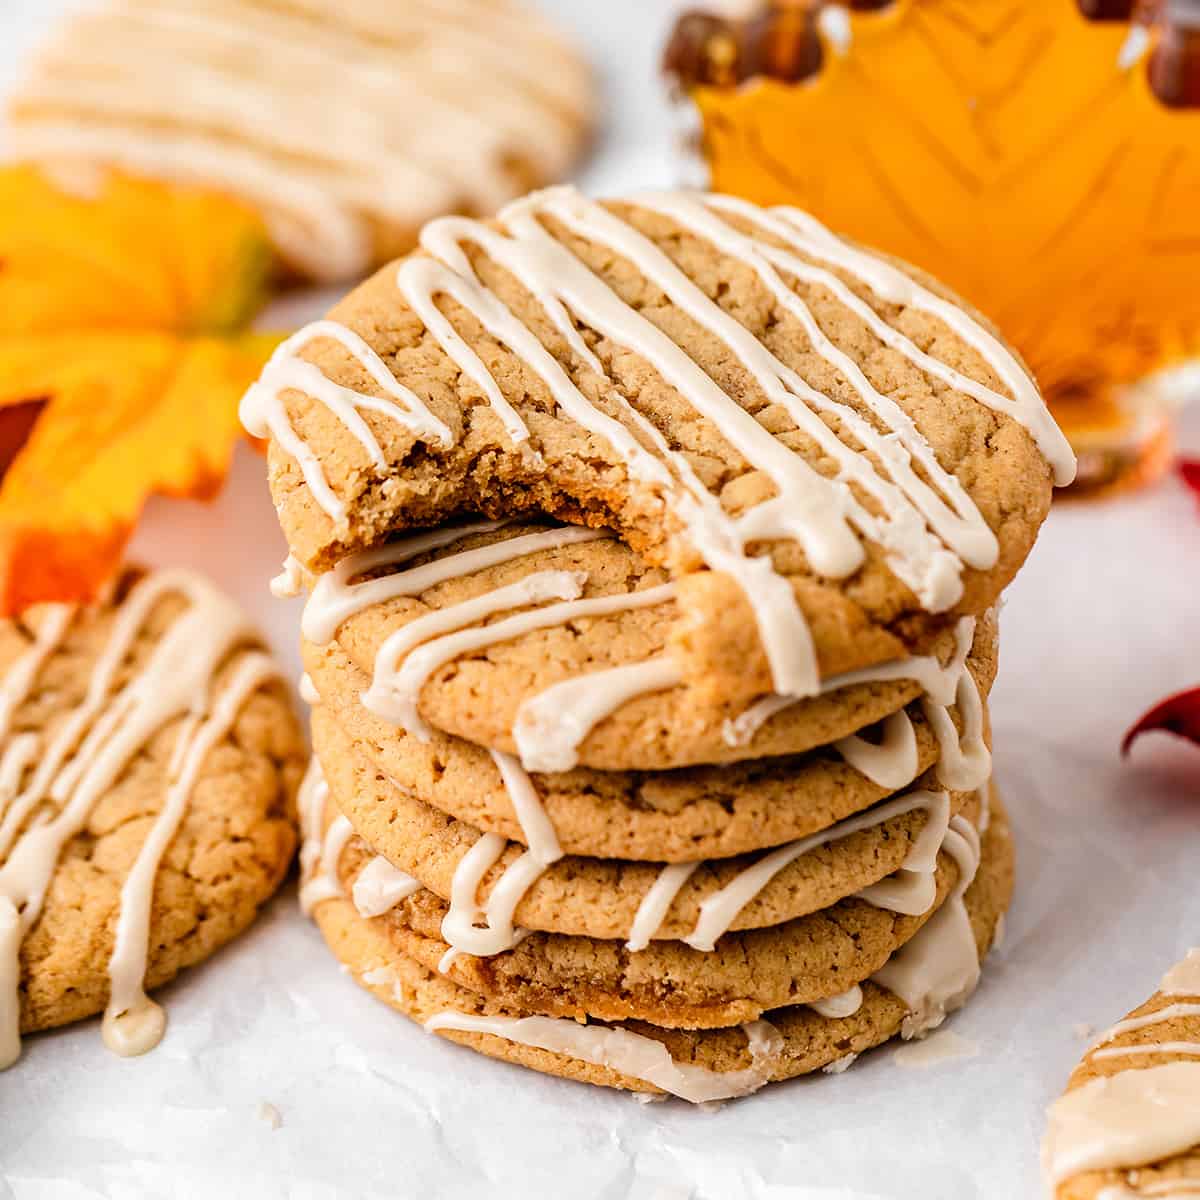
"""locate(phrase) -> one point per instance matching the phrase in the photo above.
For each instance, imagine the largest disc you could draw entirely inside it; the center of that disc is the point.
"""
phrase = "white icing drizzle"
(656, 903)
(1124, 1120)
(133, 1023)
(931, 567)
(1189, 1049)
(325, 884)
(402, 686)
(840, 1065)
(892, 285)
(938, 969)
(308, 690)
(335, 598)
(1132, 1024)
(718, 911)
(628, 1053)
(964, 763)
(185, 94)
(91, 749)
(893, 761)
(551, 726)
(1183, 979)
(290, 580)
(19, 678)
(396, 681)
(19, 755)
(380, 887)
(846, 1004)
(461, 927)
(263, 413)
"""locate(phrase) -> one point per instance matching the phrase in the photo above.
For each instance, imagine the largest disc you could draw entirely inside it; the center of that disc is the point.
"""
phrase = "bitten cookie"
(348, 125)
(458, 629)
(1129, 1124)
(829, 455)
(149, 759)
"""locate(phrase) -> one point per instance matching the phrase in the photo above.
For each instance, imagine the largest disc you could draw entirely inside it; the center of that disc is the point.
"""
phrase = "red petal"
(1189, 472)
(1178, 714)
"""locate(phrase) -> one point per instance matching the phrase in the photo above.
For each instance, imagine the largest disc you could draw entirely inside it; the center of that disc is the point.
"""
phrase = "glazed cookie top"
(818, 444)
(1129, 1124)
(697, 1065)
(429, 107)
(148, 760)
(550, 643)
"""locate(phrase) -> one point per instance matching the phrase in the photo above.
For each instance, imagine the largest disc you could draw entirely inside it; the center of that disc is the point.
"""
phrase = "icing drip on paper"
(380, 887)
(184, 91)
(628, 1053)
(88, 754)
(133, 1023)
(551, 726)
(938, 969)
(263, 413)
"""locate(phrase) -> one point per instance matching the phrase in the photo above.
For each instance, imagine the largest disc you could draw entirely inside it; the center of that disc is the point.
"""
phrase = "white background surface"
(1102, 623)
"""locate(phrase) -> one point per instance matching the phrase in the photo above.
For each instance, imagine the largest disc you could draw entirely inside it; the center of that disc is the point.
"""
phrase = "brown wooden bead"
(1174, 66)
(781, 44)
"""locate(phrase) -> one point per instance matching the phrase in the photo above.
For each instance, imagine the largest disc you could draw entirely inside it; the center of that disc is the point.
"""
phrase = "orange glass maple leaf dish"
(122, 361)
(1040, 156)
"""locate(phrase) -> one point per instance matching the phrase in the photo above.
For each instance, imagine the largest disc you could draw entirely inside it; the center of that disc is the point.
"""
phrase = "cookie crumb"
(270, 1114)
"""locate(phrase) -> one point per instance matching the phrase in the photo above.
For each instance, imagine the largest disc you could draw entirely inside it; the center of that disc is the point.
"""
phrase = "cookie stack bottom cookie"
(346, 889)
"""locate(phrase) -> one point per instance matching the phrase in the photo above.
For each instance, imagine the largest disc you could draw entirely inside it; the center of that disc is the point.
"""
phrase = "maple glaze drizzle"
(923, 520)
(87, 755)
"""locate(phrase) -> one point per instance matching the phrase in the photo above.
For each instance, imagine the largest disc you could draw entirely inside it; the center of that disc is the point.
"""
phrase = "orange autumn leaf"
(128, 415)
(121, 366)
(1013, 148)
(135, 255)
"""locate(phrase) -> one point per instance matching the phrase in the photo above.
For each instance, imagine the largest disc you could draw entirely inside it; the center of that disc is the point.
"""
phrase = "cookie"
(349, 126)
(697, 1065)
(732, 978)
(661, 816)
(602, 898)
(149, 758)
(829, 454)
(483, 652)
(1129, 1123)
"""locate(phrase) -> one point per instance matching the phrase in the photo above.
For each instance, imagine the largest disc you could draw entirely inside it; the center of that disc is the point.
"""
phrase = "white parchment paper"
(1103, 622)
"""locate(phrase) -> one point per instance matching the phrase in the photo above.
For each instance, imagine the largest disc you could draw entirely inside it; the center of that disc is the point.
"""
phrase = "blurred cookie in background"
(348, 124)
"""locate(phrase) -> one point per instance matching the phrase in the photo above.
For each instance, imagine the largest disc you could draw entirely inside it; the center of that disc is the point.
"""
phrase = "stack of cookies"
(653, 551)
